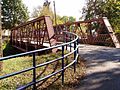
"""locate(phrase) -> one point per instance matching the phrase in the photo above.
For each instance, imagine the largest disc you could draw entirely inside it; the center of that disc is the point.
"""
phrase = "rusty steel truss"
(32, 34)
(94, 31)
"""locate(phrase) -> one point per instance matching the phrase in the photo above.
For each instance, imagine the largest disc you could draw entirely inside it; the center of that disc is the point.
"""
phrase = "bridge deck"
(103, 68)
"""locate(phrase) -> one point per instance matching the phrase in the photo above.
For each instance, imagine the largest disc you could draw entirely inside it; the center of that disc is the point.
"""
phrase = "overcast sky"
(63, 7)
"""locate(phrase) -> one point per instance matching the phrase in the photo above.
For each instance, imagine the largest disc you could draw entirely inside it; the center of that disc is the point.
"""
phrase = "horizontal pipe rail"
(72, 43)
(39, 50)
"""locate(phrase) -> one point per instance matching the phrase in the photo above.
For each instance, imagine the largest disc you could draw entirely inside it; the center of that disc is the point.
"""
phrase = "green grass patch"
(20, 63)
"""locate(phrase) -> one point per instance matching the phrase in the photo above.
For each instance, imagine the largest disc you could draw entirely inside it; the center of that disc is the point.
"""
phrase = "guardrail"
(72, 43)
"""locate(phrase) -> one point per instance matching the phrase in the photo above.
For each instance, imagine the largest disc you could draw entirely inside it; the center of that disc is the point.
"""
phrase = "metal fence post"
(70, 43)
(34, 72)
(66, 39)
(75, 56)
(77, 49)
(63, 65)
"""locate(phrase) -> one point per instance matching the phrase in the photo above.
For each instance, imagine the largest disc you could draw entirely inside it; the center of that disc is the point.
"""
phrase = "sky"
(63, 7)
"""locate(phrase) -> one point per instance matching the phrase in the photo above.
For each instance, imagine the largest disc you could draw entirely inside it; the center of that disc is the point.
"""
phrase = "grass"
(54, 83)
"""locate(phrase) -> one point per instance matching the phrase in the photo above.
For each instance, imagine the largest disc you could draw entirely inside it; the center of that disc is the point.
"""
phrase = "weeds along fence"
(70, 42)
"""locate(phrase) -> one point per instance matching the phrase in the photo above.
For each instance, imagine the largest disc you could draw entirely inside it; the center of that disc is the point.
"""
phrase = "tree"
(45, 10)
(65, 19)
(103, 8)
(36, 12)
(92, 9)
(58, 19)
(111, 9)
(72, 19)
(14, 12)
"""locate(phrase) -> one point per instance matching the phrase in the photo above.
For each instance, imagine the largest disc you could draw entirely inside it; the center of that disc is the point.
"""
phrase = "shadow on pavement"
(103, 68)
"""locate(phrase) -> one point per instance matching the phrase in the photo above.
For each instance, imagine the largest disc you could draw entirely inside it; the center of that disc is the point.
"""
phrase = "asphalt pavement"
(103, 68)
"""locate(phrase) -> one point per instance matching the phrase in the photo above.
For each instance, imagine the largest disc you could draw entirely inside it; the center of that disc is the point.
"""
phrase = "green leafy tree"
(58, 19)
(92, 9)
(65, 19)
(14, 12)
(111, 9)
(103, 8)
(72, 19)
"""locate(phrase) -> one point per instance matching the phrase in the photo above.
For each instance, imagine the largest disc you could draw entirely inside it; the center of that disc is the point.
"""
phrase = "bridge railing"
(72, 43)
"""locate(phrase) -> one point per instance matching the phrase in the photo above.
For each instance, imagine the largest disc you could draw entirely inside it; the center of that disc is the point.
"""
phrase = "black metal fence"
(73, 49)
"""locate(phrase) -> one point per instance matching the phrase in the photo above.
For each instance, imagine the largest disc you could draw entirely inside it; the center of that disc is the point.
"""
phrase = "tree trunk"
(1, 53)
